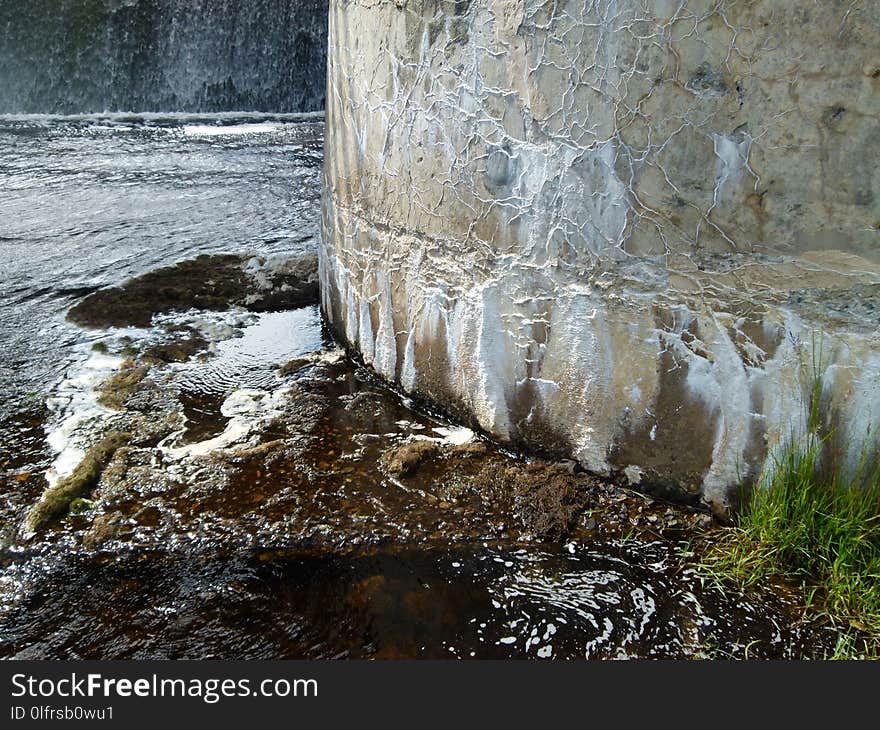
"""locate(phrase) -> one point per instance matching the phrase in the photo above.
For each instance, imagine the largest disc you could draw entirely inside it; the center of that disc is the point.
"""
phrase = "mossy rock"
(57, 500)
(82, 506)
(121, 386)
(213, 283)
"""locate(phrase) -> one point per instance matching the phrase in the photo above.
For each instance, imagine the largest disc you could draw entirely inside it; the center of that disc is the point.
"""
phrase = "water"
(74, 56)
(441, 603)
(309, 550)
(290, 537)
(91, 202)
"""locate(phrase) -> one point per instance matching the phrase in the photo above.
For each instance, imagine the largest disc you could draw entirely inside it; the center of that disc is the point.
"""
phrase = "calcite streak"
(587, 225)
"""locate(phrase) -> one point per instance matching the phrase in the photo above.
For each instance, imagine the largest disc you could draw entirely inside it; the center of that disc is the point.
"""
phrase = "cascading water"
(86, 56)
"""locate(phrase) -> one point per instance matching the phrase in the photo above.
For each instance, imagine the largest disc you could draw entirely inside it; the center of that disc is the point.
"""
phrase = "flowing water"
(307, 549)
(89, 202)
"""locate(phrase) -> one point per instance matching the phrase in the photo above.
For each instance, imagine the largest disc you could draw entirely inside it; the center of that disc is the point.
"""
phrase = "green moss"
(81, 506)
(56, 501)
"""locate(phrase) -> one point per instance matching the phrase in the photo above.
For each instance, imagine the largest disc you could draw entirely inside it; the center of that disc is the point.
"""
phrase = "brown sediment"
(213, 283)
(403, 460)
(56, 500)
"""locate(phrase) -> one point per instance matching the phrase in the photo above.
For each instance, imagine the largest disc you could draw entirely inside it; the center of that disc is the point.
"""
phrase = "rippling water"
(90, 201)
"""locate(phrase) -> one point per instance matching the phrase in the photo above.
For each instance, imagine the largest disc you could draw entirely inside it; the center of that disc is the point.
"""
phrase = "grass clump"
(815, 528)
(814, 522)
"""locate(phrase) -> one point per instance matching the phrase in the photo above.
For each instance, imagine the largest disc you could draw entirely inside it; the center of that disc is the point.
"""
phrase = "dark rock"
(178, 351)
(212, 283)
(105, 528)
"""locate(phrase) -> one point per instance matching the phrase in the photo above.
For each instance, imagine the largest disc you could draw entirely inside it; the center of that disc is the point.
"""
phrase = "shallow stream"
(265, 520)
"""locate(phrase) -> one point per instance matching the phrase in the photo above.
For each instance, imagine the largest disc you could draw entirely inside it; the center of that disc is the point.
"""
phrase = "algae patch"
(57, 499)
(122, 385)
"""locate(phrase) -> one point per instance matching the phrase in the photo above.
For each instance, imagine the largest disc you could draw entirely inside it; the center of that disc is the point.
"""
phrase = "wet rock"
(148, 516)
(148, 431)
(293, 366)
(178, 351)
(281, 282)
(365, 407)
(213, 283)
(303, 412)
(404, 460)
(56, 500)
(119, 387)
(135, 476)
(104, 528)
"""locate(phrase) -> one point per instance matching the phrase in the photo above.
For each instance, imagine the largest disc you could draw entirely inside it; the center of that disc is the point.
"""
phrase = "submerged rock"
(212, 283)
(403, 460)
(180, 350)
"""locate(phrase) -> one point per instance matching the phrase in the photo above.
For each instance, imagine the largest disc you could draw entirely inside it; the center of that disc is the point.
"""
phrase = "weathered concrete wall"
(616, 229)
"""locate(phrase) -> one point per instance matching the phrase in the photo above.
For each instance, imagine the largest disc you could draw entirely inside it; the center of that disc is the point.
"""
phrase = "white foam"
(455, 436)
(247, 409)
(76, 402)
(209, 130)
(172, 118)
(237, 430)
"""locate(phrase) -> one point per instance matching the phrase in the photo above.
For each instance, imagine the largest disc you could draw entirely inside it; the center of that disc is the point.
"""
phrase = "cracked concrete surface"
(617, 230)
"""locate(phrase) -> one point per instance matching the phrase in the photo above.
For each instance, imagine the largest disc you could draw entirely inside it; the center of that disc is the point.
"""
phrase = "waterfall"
(85, 56)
